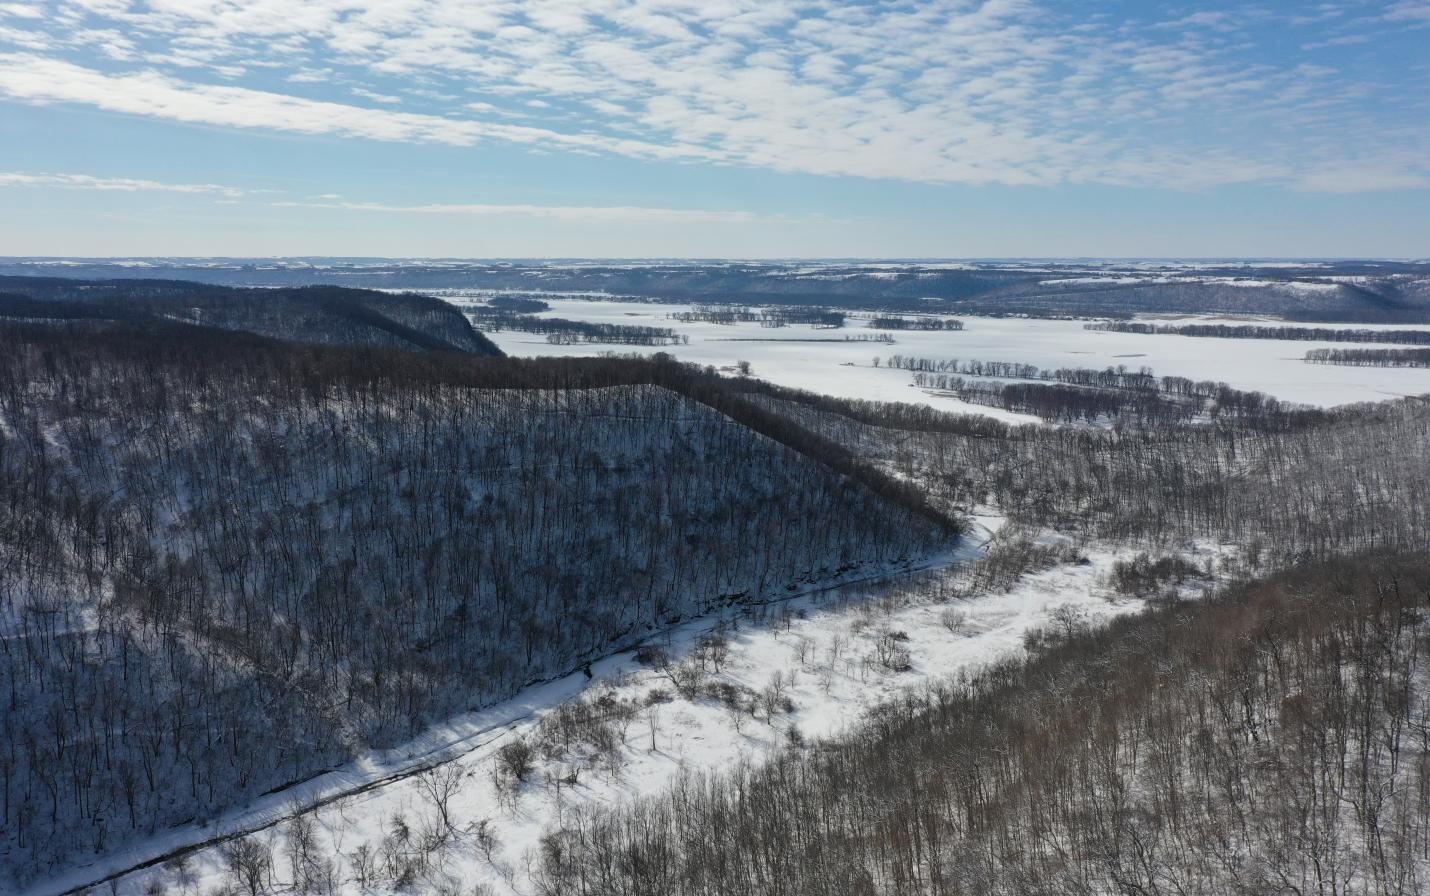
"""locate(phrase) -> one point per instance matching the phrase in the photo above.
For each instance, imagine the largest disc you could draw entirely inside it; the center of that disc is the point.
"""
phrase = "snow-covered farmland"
(800, 670)
(846, 368)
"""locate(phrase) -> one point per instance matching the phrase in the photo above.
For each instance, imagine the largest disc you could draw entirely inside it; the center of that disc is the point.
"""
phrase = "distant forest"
(1349, 291)
(1250, 331)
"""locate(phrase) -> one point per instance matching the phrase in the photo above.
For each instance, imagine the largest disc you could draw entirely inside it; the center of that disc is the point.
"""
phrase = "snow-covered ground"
(846, 368)
(812, 666)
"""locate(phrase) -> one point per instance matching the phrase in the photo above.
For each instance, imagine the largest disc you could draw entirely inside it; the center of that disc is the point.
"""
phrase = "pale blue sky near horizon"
(724, 128)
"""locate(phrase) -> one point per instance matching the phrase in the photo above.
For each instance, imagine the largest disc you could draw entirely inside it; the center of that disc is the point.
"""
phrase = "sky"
(715, 128)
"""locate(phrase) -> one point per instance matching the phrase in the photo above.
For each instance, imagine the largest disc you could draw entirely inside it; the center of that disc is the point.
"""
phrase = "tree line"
(1370, 357)
(823, 318)
(1085, 395)
(1253, 331)
(899, 322)
(560, 331)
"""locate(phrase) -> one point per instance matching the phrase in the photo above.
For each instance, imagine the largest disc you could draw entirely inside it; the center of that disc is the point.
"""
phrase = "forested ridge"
(227, 563)
(1284, 485)
(321, 314)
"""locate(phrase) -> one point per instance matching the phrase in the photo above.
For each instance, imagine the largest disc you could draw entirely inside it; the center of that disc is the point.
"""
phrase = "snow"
(845, 368)
(818, 645)
(1078, 281)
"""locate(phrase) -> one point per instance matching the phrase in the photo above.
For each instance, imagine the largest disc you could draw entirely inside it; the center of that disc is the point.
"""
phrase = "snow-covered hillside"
(225, 569)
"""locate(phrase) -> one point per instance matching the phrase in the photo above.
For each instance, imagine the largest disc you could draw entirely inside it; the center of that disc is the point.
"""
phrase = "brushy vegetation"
(1273, 739)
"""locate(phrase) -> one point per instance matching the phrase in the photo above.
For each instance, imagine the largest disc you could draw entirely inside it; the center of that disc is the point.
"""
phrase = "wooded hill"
(321, 314)
(228, 563)
(1283, 485)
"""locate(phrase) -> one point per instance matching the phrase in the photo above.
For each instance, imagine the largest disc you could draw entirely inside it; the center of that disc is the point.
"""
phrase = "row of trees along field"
(1299, 484)
(1370, 357)
(899, 322)
(729, 315)
(1272, 739)
(228, 563)
(1255, 331)
(1084, 395)
(561, 331)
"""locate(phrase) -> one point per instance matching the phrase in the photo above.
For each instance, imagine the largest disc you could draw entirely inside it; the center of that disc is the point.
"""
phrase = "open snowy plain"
(846, 369)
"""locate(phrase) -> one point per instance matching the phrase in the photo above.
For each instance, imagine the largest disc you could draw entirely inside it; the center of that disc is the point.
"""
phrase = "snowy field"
(812, 666)
(846, 368)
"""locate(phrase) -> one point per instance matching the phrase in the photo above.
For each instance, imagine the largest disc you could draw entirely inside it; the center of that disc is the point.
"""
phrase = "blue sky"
(748, 128)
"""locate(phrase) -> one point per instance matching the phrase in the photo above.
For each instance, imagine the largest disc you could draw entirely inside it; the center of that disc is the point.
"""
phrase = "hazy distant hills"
(1332, 291)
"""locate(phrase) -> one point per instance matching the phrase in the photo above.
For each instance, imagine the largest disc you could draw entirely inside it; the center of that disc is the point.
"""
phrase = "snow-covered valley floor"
(833, 366)
(732, 687)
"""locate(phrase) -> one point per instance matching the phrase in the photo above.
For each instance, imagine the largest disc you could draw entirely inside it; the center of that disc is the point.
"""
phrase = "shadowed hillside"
(322, 314)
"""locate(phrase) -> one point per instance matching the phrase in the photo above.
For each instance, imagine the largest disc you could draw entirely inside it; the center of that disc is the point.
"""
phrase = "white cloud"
(110, 184)
(968, 91)
(22, 10)
(334, 201)
(374, 96)
(150, 93)
(1410, 10)
(610, 214)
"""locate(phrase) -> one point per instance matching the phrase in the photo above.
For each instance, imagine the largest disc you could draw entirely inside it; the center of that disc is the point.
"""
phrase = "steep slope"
(226, 566)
